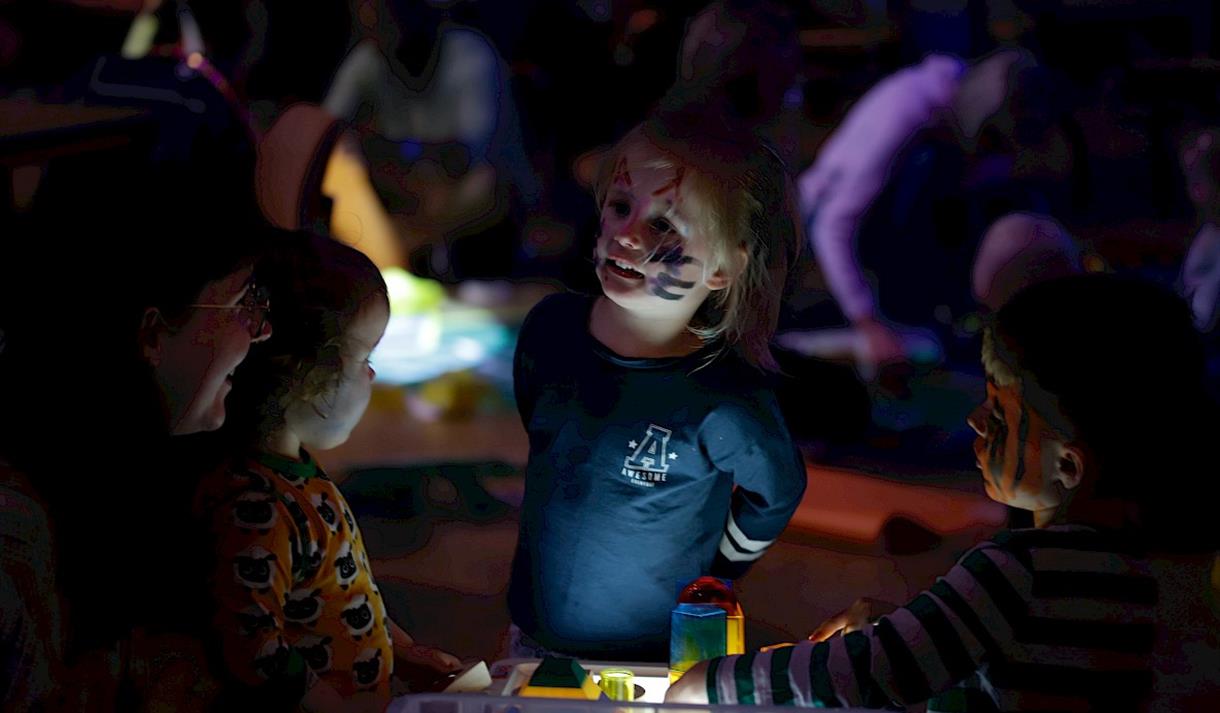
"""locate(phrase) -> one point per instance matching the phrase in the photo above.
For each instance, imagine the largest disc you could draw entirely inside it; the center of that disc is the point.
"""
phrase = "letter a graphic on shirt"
(651, 452)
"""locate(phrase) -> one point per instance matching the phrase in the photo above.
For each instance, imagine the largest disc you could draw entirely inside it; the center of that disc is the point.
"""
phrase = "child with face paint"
(1105, 603)
(298, 614)
(657, 451)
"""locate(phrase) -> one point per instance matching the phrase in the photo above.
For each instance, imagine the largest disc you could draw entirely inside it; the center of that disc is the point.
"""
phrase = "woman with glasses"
(147, 303)
(194, 351)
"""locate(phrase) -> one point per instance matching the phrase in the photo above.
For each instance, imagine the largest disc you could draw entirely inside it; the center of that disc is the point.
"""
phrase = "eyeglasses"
(254, 308)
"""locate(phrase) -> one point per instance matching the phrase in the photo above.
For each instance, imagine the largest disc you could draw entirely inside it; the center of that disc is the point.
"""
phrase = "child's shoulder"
(561, 306)
(563, 311)
(728, 374)
(742, 397)
(236, 477)
(1023, 543)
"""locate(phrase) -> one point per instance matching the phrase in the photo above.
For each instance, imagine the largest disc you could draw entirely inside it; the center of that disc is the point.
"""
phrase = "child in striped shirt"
(1093, 419)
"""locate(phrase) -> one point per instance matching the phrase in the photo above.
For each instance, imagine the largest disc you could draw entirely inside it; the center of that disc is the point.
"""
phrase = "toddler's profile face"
(652, 256)
(328, 421)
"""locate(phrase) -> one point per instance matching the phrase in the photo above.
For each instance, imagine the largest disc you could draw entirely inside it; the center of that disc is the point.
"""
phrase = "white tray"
(508, 675)
(483, 703)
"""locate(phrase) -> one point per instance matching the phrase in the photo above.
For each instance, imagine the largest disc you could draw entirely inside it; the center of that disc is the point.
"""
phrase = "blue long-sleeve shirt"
(643, 473)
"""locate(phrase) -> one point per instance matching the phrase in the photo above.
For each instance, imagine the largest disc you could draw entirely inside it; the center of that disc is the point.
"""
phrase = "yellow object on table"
(387, 399)
(561, 677)
(455, 395)
(618, 683)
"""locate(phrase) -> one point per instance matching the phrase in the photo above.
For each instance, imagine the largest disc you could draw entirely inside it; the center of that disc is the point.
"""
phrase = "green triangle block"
(559, 672)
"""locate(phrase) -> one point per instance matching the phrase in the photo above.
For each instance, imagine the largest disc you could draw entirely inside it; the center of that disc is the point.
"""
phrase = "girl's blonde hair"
(744, 203)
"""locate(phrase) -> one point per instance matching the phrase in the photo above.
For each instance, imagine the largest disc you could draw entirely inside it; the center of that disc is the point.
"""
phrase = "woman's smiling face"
(195, 361)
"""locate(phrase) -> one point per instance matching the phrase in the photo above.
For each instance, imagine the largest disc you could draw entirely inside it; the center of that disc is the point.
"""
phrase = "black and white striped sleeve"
(937, 640)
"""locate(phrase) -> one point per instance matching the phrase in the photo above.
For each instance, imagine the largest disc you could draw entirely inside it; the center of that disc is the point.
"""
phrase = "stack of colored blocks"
(698, 632)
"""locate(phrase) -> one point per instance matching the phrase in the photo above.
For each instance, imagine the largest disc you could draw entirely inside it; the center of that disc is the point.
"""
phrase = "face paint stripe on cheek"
(674, 184)
(1022, 437)
(995, 457)
(621, 174)
(666, 280)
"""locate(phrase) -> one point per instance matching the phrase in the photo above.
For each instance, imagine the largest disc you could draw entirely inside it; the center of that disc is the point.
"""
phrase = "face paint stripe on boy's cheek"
(995, 458)
(1022, 437)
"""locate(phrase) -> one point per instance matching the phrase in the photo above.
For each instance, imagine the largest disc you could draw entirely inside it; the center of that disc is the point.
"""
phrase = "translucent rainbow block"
(697, 632)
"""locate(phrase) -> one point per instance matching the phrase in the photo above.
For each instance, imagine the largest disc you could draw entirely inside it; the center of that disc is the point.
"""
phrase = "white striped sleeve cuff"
(736, 547)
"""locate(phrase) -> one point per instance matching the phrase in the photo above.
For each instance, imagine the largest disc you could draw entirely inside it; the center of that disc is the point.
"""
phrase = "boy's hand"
(691, 688)
(856, 617)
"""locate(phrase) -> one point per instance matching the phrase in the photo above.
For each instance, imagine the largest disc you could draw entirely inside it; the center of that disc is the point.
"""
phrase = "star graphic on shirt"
(673, 456)
(632, 444)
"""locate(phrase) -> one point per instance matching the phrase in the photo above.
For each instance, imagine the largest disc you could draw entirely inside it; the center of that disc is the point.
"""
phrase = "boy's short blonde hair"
(744, 202)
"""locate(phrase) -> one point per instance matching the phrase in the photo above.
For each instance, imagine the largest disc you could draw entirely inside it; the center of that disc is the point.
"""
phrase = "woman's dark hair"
(1120, 360)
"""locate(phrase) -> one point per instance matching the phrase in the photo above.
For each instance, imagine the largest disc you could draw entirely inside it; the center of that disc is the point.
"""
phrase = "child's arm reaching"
(407, 652)
(937, 640)
(754, 447)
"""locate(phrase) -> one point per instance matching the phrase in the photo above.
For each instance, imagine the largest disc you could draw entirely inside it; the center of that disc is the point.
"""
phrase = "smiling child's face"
(653, 257)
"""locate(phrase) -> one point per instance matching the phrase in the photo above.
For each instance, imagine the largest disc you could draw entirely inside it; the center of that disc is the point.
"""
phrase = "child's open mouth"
(623, 270)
